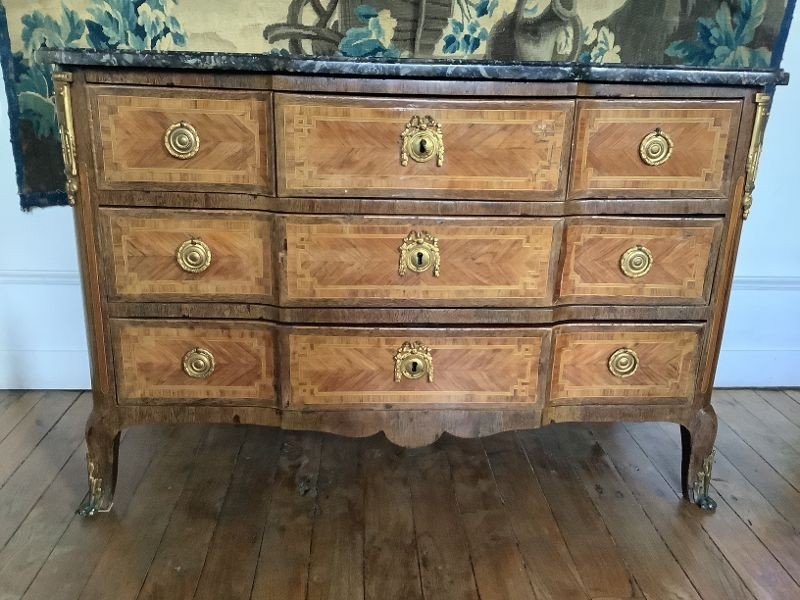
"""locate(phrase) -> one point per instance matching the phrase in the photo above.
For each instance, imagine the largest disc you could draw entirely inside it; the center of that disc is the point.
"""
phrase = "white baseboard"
(766, 284)
(39, 277)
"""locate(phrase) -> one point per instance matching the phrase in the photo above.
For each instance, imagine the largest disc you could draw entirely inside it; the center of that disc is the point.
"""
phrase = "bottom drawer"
(624, 364)
(327, 368)
(384, 368)
(214, 362)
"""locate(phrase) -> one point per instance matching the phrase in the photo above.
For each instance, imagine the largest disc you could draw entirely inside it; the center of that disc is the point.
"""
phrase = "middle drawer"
(377, 261)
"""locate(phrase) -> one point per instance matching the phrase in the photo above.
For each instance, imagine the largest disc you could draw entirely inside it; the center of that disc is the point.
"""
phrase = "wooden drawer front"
(143, 253)
(358, 260)
(610, 134)
(681, 254)
(357, 366)
(150, 356)
(667, 364)
(339, 146)
(234, 151)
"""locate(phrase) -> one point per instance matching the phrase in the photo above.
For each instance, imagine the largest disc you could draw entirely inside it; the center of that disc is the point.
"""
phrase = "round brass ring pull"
(194, 256)
(182, 140)
(198, 363)
(656, 148)
(636, 261)
(413, 361)
(623, 363)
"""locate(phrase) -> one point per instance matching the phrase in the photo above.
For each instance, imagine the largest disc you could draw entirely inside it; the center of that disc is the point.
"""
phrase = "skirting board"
(761, 347)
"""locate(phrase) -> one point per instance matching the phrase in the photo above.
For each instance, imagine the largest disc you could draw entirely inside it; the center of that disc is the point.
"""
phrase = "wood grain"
(140, 255)
(149, 357)
(608, 133)
(667, 354)
(129, 125)
(355, 260)
(350, 146)
(684, 259)
(595, 514)
(351, 367)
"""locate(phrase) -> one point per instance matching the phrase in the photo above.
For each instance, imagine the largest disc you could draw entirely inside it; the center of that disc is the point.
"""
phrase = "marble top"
(413, 68)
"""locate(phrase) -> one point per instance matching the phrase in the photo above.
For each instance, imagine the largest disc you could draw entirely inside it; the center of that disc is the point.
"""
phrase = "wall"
(761, 345)
(42, 336)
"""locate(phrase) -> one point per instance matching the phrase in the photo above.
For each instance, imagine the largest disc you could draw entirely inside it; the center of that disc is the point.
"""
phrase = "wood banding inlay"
(150, 362)
(609, 134)
(666, 355)
(351, 146)
(234, 150)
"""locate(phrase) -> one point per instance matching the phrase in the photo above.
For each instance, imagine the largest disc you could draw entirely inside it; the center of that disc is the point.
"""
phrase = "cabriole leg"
(697, 443)
(102, 457)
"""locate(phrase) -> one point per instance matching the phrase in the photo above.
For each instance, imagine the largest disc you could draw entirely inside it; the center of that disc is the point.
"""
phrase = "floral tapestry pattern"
(718, 33)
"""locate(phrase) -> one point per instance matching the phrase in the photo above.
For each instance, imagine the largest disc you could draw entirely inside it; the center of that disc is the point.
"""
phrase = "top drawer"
(169, 139)
(646, 149)
(350, 146)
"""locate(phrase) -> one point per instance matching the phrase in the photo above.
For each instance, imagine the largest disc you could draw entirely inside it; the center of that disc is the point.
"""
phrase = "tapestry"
(717, 33)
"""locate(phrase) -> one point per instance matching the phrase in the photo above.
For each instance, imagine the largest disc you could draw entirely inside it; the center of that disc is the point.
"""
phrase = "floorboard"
(571, 511)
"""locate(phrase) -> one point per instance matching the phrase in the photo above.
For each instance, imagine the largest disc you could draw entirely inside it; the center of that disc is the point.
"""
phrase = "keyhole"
(420, 258)
(414, 367)
(423, 146)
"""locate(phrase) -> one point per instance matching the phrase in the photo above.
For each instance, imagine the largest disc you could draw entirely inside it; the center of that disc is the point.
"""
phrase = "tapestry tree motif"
(718, 33)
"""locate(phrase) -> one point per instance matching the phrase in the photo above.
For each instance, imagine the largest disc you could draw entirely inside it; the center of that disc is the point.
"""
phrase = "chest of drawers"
(407, 254)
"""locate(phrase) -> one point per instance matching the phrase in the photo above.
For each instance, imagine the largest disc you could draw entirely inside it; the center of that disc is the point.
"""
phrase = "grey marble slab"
(411, 68)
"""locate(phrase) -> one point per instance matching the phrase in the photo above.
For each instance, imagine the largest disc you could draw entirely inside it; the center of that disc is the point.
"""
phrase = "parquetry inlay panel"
(149, 359)
(682, 251)
(493, 260)
(348, 147)
(608, 135)
(473, 368)
(143, 247)
(234, 139)
(666, 372)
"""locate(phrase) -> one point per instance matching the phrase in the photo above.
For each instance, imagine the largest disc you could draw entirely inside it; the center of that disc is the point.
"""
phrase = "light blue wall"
(42, 335)
(761, 345)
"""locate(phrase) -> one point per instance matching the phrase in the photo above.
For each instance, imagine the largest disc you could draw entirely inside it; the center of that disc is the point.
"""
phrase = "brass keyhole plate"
(413, 368)
(413, 361)
(421, 140)
(419, 252)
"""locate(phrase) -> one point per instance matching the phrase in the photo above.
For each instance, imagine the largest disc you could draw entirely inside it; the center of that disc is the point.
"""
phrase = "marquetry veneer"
(407, 256)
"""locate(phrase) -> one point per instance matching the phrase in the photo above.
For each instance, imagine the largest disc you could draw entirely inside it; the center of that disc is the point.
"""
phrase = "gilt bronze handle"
(182, 140)
(656, 148)
(198, 363)
(636, 261)
(193, 256)
(623, 363)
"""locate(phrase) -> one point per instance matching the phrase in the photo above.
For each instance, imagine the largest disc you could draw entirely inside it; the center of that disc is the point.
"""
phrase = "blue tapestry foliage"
(110, 25)
(134, 24)
(465, 34)
(722, 41)
(374, 39)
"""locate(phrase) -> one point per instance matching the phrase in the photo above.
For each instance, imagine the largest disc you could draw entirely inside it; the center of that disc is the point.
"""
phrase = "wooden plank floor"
(566, 512)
